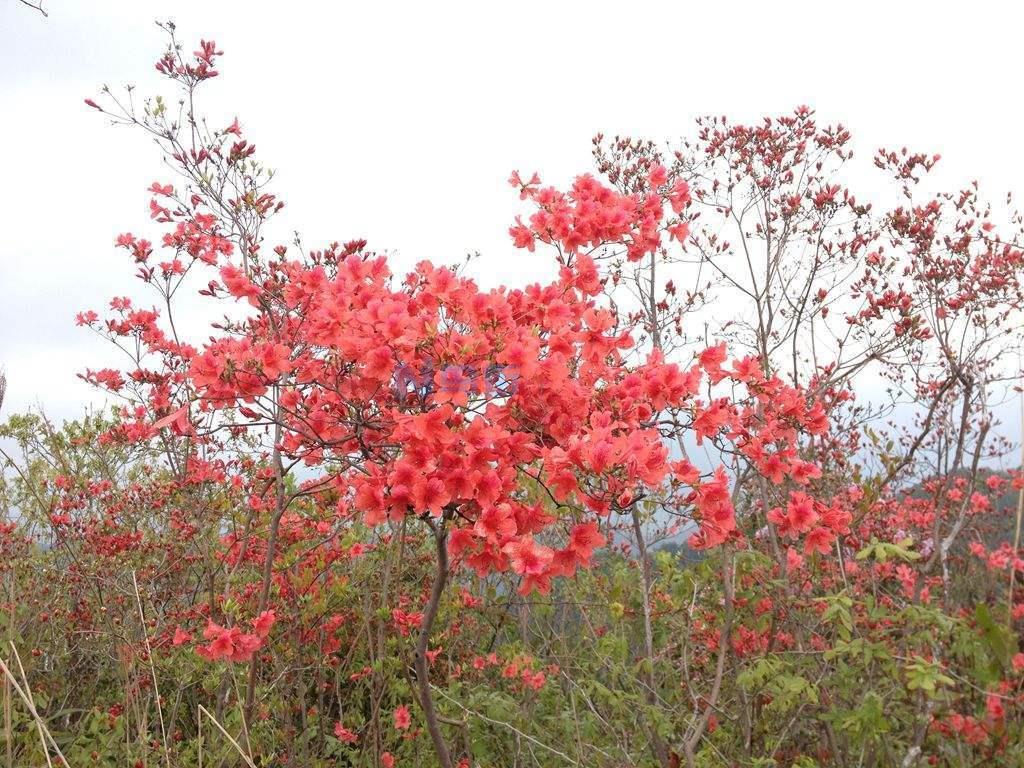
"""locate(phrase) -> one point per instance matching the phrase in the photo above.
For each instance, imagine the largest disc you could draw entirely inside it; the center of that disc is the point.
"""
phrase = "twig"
(44, 732)
(152, 671)
(235, 744)
(1016, 533)
(31, 699)
(35, 7)
(8, 727)
(503, 724)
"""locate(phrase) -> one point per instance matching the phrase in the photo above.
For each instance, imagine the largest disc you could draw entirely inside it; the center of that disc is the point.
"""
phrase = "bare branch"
(35, 7)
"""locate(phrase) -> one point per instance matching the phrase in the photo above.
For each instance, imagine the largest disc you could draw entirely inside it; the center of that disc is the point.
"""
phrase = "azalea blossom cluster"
(331, 335)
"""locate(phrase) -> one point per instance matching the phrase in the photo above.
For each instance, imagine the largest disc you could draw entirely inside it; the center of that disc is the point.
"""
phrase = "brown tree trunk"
(444, 758)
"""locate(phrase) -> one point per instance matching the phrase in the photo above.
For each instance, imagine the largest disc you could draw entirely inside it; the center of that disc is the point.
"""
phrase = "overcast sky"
(400, 122)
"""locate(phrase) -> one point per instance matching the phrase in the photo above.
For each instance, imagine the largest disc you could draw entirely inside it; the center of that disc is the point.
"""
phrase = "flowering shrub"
(380, 519)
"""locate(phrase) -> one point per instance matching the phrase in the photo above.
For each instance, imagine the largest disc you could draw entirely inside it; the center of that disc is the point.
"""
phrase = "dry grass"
(25, 693)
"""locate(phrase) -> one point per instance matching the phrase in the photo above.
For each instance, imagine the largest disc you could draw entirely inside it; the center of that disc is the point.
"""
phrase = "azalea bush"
(730, 487)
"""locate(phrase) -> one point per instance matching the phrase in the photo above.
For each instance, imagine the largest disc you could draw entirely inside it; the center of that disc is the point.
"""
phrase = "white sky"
(401, 122)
